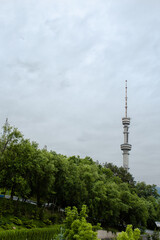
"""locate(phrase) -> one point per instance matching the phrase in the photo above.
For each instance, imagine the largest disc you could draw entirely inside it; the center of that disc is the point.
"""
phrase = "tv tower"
(126, 147)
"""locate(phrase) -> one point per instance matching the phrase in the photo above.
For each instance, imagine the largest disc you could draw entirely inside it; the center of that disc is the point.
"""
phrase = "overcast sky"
(63, 66)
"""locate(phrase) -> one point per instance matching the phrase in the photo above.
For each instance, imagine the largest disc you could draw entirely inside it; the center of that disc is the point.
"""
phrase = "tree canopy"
(112, 196)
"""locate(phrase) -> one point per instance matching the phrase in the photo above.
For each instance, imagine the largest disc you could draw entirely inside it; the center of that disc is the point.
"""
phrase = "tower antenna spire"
(126, 147)
(126, 101)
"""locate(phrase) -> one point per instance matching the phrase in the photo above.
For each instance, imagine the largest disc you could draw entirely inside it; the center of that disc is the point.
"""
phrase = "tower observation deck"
(126, 147)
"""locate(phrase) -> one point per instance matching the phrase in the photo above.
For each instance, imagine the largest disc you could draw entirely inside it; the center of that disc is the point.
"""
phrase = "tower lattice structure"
(126, 147)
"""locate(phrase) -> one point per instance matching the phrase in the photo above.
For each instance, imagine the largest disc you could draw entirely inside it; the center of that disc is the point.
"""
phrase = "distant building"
(126, 147)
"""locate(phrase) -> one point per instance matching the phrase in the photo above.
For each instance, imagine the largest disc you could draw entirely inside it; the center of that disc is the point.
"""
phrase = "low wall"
(104, 235)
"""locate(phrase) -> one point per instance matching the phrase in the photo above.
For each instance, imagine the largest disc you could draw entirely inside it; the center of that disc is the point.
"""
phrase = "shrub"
(16, 221)
(6, 226)
(129, 234)
(47, 222)
(32, 234)
(29, 224)
(56, 218)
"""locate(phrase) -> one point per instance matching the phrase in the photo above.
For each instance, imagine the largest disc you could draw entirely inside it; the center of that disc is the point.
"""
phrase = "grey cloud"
(63, 65)
(30, 66)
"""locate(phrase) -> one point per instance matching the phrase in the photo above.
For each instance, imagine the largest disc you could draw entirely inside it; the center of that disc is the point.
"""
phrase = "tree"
(121, 173)
(24, 169)
(41, 174)
(144, 190)
(14, 170)
(11, 167)
(10, 136)
(129, 234)
(76, 225)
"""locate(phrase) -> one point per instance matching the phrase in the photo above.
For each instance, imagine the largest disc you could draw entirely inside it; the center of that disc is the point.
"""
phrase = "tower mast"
(126, 101)
(126, 147)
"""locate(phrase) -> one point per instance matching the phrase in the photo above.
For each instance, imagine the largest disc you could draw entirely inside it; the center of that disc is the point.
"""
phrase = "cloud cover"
(63, 66)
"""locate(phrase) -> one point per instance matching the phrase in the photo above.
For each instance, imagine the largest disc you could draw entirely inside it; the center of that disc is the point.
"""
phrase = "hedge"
(30, 234)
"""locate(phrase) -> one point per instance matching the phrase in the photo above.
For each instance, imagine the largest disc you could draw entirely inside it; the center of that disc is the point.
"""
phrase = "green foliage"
(121, 173)
(36, 234)
(47, 222)
(110, 193)
(29, 224)
(60, 236)
(29, 216)
(129, 234)
(144, 190)
(6, 226)
(16, 221)
(76, 225)
(56, 218)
